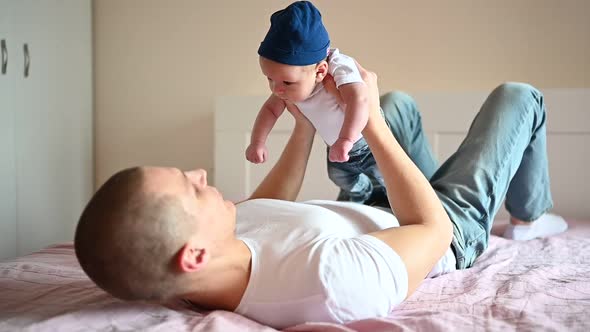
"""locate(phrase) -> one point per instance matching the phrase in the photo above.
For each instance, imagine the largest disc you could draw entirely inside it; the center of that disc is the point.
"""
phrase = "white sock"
(546, 225)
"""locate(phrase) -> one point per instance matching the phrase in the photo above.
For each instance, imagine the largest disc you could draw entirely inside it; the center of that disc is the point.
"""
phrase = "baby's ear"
(192, 259)
(321, 70)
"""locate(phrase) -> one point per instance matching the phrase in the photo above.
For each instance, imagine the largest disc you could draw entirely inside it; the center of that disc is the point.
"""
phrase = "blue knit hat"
(296, 36)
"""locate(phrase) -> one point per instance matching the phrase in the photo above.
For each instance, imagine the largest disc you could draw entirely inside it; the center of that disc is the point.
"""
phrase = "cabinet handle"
(4, 56)
(27, 59)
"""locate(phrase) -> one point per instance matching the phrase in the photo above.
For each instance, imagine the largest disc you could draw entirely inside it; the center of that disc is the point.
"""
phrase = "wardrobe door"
(53, 117)
(7, 132)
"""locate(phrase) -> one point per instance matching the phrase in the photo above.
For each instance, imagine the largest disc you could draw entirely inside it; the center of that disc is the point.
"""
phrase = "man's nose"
(199, 177)
(203, 177)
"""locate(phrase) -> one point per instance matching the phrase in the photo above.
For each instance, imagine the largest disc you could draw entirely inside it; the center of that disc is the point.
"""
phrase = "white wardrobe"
(45, 121)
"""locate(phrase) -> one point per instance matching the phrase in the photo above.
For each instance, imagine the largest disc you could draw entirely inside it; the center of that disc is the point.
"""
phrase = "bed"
(536, 285)
(542, 284)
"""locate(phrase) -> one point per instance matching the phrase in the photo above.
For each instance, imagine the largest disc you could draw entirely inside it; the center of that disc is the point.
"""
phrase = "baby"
(295, 57)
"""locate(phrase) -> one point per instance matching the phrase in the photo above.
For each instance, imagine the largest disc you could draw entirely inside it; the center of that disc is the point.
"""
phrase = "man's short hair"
(127, 239)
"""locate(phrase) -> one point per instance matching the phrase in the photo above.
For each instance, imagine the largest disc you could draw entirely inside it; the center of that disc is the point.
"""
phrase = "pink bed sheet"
(536, 285)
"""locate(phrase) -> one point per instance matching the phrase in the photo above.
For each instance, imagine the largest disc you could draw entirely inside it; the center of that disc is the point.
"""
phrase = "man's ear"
(192, 259)
(321, 70)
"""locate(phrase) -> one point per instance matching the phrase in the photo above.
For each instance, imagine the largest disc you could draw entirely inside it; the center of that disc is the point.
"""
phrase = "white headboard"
(446, 118)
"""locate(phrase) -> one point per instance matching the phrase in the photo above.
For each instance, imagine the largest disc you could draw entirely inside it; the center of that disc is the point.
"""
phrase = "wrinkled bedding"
(541, 284)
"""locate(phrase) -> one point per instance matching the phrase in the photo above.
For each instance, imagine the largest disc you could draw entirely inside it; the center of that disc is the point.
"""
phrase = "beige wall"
(160, 64)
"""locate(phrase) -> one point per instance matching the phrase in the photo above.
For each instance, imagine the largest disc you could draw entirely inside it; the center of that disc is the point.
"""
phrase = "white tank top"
(312, 262)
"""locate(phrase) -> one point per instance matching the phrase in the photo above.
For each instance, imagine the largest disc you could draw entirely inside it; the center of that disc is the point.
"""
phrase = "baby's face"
(290, 83)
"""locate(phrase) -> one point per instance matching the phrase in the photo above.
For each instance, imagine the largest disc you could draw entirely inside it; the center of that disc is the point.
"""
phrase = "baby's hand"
(339, 150)
(256, 153)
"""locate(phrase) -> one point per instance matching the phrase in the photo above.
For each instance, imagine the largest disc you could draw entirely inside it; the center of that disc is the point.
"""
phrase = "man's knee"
(519, 91)
(400, 110)
(397, 101)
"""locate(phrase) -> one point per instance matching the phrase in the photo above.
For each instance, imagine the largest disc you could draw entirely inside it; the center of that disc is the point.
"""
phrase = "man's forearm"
(286, 177)
(410, 194)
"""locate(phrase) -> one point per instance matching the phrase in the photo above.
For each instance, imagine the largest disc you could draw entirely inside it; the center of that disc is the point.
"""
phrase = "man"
(161, 234)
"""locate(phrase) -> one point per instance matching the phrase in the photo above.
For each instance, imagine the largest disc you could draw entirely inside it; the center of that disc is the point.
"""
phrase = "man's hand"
(370, 79)
(256, 153)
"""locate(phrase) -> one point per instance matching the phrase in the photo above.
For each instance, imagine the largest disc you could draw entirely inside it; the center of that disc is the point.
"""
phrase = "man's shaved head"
(127, 238)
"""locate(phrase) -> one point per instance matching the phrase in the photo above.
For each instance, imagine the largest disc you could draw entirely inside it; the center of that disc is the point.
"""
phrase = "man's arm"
(425, 231)
(285, 178)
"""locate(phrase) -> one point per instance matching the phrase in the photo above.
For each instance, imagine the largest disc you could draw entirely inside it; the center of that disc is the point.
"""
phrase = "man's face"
(290, 83)
(213, 216)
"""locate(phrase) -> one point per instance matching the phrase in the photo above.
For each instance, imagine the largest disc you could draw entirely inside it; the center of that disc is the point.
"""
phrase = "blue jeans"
(504, 155)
